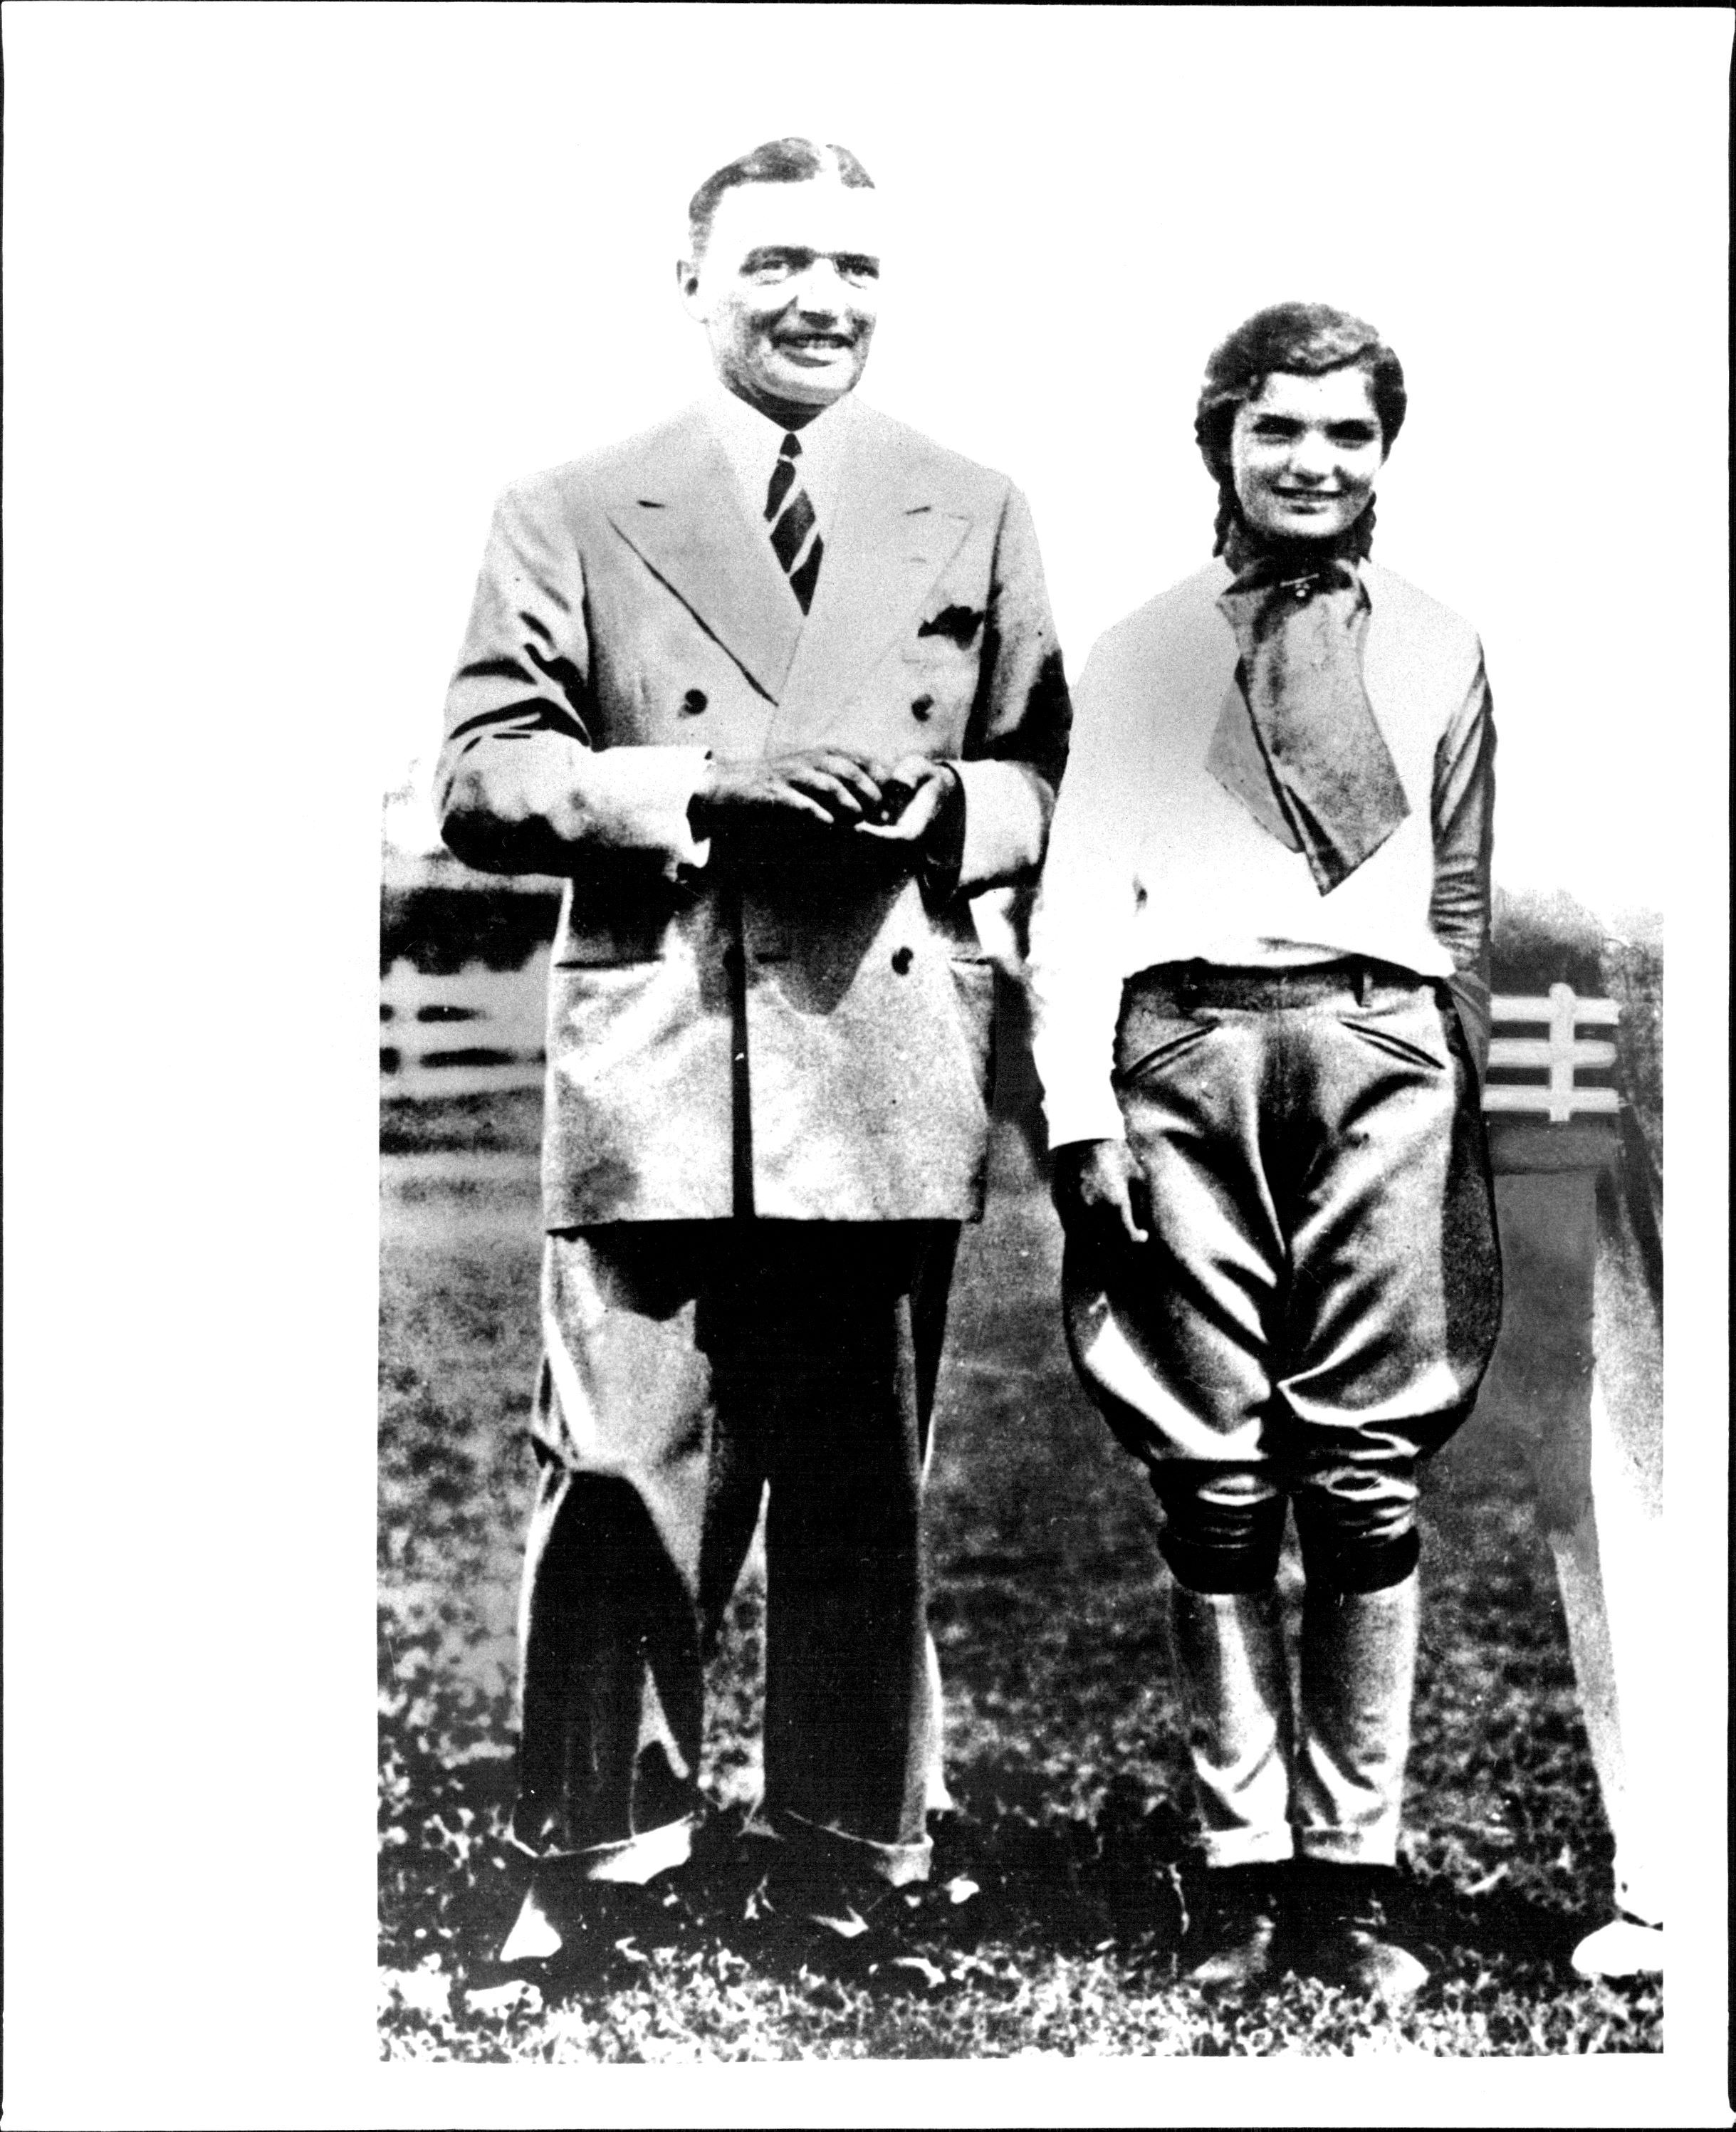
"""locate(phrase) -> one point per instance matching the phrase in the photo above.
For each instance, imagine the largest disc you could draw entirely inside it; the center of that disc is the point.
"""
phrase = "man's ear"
(686, 284)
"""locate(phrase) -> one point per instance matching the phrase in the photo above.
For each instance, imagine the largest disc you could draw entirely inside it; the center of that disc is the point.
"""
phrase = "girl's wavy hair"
(1308, 340)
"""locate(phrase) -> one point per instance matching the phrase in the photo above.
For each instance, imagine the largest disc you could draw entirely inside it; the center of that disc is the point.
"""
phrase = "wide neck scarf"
(1296, 741)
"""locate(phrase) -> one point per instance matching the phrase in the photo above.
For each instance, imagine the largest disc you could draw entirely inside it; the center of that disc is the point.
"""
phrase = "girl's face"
(1305, 453)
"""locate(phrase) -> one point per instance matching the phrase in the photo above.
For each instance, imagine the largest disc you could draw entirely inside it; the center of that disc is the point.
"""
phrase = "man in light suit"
(775, 687)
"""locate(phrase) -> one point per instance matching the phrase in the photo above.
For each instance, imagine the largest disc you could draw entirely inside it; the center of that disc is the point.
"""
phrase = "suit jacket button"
(902, 958)
(922, 707)
(692, 702)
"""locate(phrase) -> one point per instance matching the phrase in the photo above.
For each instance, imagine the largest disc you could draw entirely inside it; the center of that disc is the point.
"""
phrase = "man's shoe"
(1625, 1946)
(568, 1923)
(535, 1936)
(1234, 1940)
(1350, 1940)
(856, 1929)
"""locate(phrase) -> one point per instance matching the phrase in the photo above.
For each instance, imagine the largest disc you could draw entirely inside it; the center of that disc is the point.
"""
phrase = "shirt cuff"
(1004, 824)
(640, 797)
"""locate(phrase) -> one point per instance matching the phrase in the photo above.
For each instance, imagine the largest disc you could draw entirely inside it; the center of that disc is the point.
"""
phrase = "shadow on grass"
(1061, 1883)
(1005, 1881)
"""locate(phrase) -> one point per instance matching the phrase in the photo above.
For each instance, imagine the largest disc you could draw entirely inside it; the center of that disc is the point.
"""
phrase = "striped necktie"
(790, 516)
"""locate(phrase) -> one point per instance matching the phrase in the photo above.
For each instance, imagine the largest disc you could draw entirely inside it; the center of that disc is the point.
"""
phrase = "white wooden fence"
(482, 1030)
(1558, 1055)
(473, 1034)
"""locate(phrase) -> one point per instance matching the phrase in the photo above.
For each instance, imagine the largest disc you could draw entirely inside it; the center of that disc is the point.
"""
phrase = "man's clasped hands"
(828, 787)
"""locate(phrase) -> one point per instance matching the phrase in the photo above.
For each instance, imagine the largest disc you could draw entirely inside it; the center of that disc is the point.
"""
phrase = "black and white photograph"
(1001, 709)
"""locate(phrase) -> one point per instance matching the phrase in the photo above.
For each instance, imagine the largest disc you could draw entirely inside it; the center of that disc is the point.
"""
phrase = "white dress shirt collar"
(752, 442)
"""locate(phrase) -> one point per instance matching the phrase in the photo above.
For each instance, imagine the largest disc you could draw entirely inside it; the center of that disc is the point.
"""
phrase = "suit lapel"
(679, 507)
(889, 541)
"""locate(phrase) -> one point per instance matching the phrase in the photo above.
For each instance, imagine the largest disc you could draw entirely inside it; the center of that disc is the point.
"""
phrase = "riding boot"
(1228, 1656)
(1359, 1651)
(1358, 1656)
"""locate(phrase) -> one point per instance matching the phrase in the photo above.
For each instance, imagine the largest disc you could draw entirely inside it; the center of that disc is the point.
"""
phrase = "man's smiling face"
(788, 292)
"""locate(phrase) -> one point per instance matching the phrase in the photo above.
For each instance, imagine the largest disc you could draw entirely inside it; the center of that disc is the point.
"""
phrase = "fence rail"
(481, 1030)
(1561, 1055)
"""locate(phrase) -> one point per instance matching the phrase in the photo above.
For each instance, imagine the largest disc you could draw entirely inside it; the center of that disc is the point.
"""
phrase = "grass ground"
(1069, 1847)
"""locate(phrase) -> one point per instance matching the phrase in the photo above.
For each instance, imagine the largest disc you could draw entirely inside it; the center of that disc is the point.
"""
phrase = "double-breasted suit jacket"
(812, 1035)
(796, 1031)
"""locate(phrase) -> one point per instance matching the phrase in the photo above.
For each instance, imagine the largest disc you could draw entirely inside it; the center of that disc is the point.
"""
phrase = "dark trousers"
(688, 1366)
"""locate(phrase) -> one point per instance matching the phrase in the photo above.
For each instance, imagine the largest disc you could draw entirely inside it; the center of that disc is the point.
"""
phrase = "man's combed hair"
(1307, 340)
(790, 162)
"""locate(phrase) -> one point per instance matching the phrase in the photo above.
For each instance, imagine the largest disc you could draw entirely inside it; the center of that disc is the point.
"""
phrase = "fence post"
(1562, 1008)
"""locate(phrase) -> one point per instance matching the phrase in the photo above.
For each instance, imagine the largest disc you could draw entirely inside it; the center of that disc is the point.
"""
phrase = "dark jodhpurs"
(1321, 1290)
